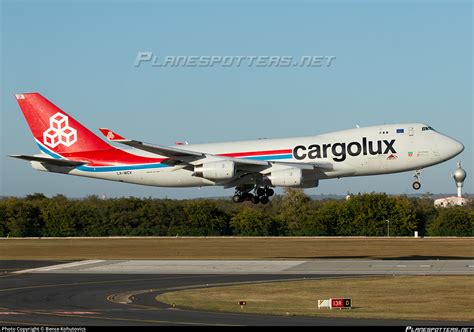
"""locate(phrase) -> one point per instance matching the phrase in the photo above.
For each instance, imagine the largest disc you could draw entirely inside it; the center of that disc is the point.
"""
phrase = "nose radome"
(456, 146)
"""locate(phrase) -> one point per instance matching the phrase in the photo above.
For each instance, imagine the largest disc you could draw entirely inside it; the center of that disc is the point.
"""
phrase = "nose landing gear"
(260, 195)
(417, 185)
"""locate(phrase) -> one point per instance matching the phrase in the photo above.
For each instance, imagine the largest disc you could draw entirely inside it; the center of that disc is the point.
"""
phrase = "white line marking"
(59, 266)
(76, 312)
(10, 313)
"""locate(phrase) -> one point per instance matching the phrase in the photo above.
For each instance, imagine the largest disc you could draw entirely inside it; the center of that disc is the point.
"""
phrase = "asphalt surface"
(278, 267)
(68, 299)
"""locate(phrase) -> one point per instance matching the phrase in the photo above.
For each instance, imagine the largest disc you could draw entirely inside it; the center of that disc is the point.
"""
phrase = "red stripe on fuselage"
(255, 153)
(116, 157)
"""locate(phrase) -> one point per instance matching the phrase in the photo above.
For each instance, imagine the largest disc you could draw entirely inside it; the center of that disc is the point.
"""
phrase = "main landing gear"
(417, 185)
(259, 195)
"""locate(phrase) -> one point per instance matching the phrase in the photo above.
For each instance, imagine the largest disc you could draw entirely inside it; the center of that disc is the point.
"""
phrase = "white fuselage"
(355, 152)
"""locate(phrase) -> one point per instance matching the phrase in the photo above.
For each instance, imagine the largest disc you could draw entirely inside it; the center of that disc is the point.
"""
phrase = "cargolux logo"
(59, 132)
(340, 151)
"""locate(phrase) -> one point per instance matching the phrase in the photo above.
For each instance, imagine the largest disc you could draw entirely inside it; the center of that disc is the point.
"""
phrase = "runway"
(89, 293)
(311, 267)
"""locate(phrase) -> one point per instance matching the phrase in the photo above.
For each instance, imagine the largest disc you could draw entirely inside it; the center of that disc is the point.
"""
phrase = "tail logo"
(59, 132)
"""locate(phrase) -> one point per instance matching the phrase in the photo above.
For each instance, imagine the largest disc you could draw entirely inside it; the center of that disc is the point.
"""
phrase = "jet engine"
(216, 170)
(291, 177)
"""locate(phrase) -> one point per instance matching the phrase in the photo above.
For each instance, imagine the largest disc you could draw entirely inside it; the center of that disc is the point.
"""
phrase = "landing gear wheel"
(416, 185)
(264, 200)
(260, 191)
(237, 198)
(255, 199)
(269, 192)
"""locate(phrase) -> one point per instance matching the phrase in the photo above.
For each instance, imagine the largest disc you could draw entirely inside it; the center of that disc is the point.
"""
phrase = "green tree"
(453, 221)
(3, 218)
(402, 216)
(294, 210)
(22, 218)
(252, 222)
(204, 218)
(323, 219)
(425, 213)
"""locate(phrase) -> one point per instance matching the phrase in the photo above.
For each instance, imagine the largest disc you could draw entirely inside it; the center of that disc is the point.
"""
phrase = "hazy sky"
(395, 62)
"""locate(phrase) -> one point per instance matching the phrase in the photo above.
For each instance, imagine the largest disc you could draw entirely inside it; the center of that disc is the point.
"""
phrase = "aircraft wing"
(175, 155)
(179, 156)
(51, 161)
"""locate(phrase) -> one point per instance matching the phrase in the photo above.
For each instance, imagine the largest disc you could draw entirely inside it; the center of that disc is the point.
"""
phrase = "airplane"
(253, 167)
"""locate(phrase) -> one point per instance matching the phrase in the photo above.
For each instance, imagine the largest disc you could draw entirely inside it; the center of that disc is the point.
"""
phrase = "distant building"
(451, 201)
(459, 176)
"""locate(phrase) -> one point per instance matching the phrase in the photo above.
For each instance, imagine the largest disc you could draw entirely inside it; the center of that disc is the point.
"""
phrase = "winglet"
(112, 136)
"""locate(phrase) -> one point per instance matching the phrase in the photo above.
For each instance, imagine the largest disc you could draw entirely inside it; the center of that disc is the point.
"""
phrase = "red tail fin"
(56, 129)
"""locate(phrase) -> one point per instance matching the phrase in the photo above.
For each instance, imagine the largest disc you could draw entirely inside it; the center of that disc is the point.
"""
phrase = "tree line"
(291, 214)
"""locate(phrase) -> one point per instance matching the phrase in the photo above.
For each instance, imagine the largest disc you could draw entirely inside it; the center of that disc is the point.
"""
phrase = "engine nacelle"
(216, 170)
(291, 177)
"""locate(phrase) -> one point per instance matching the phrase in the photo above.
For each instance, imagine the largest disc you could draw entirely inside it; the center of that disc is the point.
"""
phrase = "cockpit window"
(427, 128)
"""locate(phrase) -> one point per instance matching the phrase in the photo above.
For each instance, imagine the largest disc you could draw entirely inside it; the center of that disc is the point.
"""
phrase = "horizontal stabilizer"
(52, 161)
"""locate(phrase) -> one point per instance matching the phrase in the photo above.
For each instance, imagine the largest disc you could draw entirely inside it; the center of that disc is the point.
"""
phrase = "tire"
(269, 192)
(416, 185)
(260, 191)
(264, 200)
(237, 199)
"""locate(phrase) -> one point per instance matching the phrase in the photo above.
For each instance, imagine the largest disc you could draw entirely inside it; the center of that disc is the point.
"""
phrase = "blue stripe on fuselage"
(119, 168)
(275, 157)
(85, 168)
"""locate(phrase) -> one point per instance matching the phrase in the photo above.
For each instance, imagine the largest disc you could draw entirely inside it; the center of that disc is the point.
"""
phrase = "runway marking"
(131, 294)
(76, 312)
(11, 313)
(98, 282)
(14, 322)
(123, 319)
(58, 266)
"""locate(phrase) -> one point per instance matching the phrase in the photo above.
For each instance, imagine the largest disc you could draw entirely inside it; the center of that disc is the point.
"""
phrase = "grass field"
(237, 248)
(402, 297)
